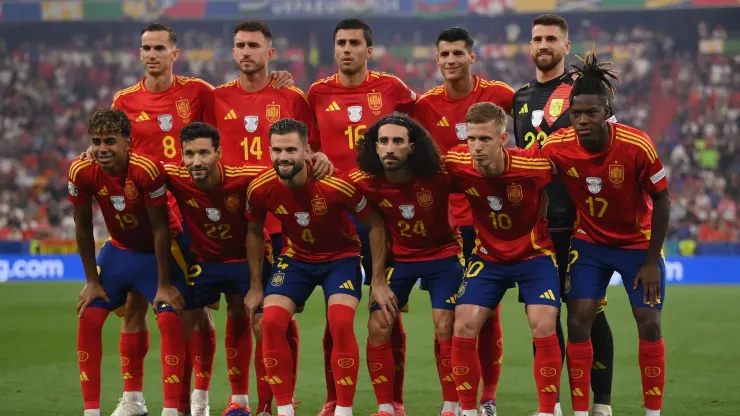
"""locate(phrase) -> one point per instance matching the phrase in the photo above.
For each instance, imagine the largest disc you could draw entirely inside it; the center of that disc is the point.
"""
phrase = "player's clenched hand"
(89, 293)
(87, 155)
(282, 79)
(171, 296)
(649, 275)
(252, 301)
(386, 299)
(322, 167)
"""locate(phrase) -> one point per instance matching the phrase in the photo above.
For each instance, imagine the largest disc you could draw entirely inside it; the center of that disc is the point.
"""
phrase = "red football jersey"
(343, 114)
(315, 217)
(123, 199)
(417, 215)
(244, 119)
(214, 217)
(611, 189)
(444, 118)
(156, 118)
(506, 209)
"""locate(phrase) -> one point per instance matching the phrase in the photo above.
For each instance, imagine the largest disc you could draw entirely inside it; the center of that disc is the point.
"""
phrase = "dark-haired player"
(345, 105)
(512, 246)
(322, 249)
(245, 109)
(400, 174)
(620, 190)
(140, 255)
(541, 108)
(442, 111)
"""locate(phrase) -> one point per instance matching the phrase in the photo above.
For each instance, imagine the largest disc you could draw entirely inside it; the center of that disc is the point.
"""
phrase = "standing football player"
(130, 191)
(400, 174)
(541, 108)
(512, 246)
(442, 111)
(619, 186)
(345, 105)
(322, 248)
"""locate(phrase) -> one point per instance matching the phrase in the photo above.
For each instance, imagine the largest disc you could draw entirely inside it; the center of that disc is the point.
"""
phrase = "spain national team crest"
(407, 211)
(515, 193)
(250, 123)
(556, 107)
(616, 174)
(130, 190)
(319, 206)
(425, 198)
(374, 101)
(214, 214)
(277, 279)
(302, 218)
(165, 122)
(461, 130)
(354, 113)
(495, 202)
(232, 202)
(119, 203)
(272, 112)
(183, 107)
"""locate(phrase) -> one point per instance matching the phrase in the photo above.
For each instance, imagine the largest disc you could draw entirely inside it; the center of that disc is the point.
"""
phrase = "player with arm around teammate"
(400, 174)
(140, 255)
(506, 196)
(619, 186)
(321, 248)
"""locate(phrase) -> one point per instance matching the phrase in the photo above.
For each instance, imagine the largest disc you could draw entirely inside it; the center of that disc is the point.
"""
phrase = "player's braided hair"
(109, 121)
(592, 77)
(424, 161)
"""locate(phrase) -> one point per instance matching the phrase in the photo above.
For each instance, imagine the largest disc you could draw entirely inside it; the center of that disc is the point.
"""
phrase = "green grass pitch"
(701, 327)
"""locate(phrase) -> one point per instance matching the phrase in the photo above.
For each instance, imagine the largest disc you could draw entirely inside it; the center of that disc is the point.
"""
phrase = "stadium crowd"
(47, 94)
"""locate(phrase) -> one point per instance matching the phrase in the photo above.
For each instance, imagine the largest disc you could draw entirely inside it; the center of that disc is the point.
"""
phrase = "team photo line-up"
(260, 192)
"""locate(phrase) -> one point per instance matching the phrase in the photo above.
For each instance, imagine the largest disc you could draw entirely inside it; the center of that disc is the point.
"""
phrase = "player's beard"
(400, 164)
(546, 65)
(255, 68)
(203, 173)
(297, 168)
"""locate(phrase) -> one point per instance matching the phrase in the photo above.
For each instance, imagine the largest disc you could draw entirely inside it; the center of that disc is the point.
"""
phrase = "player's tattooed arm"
(380, 292)
(255, 257)
(83, 216)
(283, 79)
(166, 292)
(322, 166)
(649, 273)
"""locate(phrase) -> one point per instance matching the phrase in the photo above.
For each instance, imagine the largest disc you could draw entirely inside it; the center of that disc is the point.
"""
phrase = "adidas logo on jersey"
(103, 192)
(281, 210)
(572, 173)
(472, 191)
(193, 203)
(386, 203)
(333, 106)
(524, 109)
(443, 122)
(142, 117)
(231, 115)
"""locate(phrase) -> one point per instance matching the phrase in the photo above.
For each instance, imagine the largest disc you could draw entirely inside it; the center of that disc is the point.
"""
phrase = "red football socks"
(580, 356)
(187, 377)
(294, 340)
(238, 343)
(381, 367)
(651, 356)
(90, 354)
(278, 360)
(264, 392)
(331, 391)
(172, 352)
(345, 354)
(444, 368)
(133, 348)
(547, 365)
(466, 370)
(202, 350)
(398, 344)
(490, 353)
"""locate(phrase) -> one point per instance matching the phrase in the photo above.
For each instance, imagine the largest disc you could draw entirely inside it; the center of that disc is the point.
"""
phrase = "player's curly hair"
(424, 161)
(592, 77)
(109, 121)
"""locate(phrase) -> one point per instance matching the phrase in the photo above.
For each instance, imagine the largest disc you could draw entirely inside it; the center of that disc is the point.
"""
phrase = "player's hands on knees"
(282, 79)
(252, 301)
(321, 165)
(91, 291)
(649, 275)
(169, 295)
(87, 155)
(382, 295)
